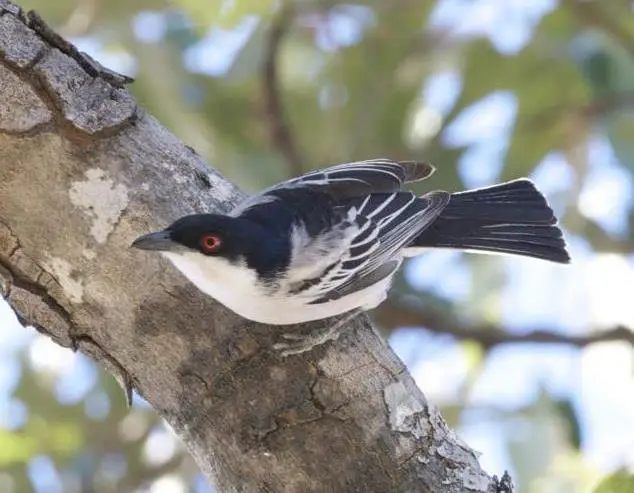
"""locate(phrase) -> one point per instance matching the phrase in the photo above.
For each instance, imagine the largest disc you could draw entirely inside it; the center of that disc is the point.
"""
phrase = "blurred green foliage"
(309, 98)
(619, 482)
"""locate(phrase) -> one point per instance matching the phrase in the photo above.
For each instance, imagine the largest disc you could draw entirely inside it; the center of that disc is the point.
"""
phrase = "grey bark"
(83, 171)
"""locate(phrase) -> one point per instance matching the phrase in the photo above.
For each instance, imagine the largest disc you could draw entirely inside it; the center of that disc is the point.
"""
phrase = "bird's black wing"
(384, 224)
(364, 177)
(350, 180)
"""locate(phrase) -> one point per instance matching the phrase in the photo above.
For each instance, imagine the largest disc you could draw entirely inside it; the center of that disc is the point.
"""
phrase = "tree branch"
(604, 106)
(393, 313)
(280, 131)
(597, 108)
(84, 171)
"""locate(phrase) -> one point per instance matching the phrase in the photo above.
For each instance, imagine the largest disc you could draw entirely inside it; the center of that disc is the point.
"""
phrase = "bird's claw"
(296, 344)
(286, 349)
(300, 343)
(294, 337)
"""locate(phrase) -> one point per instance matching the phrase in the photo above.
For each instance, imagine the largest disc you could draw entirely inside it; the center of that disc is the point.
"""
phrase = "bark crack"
(14, 279)
(32, 131)
(264, 434)
(417, 451)
(87, 344)
(6, 279)
(19, 280)
(39, 56)
(313, 394)
(84, 97)
(10, 8)
(89, 64)
(15, 248)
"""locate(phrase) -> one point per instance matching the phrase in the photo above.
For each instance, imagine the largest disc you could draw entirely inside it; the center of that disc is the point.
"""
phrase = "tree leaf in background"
(619, 128)
(609, 69)
(619, 482)
(569, 413)
(250, 57)
(16, 448)
(598, 67)
(224, 14)
(535, 76)
(535, 445)
(361, 67)
(60, 12)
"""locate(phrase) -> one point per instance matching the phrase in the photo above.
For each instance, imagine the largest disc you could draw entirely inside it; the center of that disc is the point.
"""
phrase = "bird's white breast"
(238, 289)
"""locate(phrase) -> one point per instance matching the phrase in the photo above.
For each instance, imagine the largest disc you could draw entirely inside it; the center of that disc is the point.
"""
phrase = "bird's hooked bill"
(159, 241)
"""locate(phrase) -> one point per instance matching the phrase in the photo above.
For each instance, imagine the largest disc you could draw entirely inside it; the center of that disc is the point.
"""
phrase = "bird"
(328, 243)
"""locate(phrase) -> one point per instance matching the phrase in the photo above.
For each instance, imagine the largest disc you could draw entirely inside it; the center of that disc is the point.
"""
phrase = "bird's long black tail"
(512, 218)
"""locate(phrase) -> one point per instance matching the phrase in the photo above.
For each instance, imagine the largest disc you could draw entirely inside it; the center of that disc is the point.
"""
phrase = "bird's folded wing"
(387, 223)
(350, 180)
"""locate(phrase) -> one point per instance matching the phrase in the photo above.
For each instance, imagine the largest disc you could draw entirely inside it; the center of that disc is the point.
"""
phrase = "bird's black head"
(216, 235)
(208, 234)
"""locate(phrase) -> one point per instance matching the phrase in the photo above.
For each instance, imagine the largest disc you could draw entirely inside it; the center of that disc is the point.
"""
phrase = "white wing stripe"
(384, 221)
(384, 167)
(363, 205)
(385, 203)
(365, 253)
(371, 237)
(328, 180)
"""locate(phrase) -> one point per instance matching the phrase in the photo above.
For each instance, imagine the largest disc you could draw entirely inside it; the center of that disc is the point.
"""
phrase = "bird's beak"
(160, 241)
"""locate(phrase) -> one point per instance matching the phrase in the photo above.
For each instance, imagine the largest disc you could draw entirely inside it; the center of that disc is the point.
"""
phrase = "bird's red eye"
(210, 243)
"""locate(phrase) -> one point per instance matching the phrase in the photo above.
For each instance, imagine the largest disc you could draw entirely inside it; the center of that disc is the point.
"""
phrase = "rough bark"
(83, 171)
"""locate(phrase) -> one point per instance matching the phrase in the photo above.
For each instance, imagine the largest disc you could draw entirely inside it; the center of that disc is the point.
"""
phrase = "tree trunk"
(83, 171)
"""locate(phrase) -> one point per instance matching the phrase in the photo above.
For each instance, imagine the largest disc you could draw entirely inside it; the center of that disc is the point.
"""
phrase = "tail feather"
(512, 218)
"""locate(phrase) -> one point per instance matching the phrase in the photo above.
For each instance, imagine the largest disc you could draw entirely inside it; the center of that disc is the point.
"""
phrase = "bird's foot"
(301, 343)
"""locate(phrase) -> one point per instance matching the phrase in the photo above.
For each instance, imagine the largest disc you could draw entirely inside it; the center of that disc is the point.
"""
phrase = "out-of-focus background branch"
(395, 313)
(281, 134)
(531, 363)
